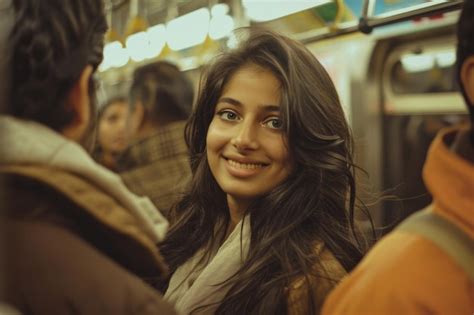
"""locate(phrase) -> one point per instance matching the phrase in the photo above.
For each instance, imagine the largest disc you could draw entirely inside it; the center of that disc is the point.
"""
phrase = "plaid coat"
(158, 166)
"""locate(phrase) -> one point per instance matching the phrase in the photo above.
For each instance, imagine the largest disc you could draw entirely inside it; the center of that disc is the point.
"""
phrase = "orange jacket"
(406, 274)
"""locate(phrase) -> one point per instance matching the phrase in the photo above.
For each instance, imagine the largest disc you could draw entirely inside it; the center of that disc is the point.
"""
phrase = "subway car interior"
(392, 62)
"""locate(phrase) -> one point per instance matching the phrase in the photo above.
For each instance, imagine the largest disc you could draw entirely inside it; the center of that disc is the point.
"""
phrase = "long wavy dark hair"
(315, 204)
(51, 43)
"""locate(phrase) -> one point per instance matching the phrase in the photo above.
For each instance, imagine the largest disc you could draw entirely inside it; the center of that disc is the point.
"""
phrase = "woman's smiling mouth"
(243, 168)
(244, 165)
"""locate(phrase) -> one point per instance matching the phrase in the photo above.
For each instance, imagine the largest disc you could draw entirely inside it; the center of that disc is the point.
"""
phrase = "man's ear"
(467, 78)
(78, 101)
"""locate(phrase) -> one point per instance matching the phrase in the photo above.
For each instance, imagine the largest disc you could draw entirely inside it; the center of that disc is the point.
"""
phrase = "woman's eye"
(228, 115)
(273, 123)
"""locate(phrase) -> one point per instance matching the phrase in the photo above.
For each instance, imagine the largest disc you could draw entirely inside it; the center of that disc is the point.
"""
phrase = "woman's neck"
(237, 208)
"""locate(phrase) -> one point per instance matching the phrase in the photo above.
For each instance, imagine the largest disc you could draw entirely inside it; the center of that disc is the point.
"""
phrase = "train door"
(419, 96)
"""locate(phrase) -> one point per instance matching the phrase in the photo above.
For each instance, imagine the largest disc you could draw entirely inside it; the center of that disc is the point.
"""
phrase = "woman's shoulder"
(328, 270)
(324, 276)
(330, 266)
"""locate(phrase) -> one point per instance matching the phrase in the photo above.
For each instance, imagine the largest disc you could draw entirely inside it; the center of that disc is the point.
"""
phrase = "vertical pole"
(240, 18)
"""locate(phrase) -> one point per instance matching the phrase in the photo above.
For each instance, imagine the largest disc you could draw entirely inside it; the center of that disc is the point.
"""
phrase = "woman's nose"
(246, 136)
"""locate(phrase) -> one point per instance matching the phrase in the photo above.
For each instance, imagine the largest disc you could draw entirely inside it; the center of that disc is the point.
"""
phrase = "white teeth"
(248, 166)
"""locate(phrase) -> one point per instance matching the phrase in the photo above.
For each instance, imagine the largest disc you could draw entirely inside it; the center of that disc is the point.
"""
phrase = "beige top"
(197, 283)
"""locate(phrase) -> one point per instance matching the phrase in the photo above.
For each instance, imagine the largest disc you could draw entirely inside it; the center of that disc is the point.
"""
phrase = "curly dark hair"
(52, 42)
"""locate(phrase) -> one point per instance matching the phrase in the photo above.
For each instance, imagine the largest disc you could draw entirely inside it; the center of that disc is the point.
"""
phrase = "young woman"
(267, 225)
(112, 137)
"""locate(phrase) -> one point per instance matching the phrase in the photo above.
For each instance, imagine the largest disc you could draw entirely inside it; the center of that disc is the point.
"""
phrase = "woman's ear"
(467, 78)
(78, 101)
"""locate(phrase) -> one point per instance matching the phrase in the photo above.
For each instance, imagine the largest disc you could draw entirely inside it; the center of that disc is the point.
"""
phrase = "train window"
(420, 78)
(386, 6)
(419, 96)
(425, 72)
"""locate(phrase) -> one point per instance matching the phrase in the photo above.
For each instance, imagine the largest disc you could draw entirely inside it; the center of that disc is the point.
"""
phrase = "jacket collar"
(167, 143)
(449, 176)
(29, 143)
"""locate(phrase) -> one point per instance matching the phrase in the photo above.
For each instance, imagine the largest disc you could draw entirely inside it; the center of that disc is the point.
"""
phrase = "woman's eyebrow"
(232, 101)
(270, 108)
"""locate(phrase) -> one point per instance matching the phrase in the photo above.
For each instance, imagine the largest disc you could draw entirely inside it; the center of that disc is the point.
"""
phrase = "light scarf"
(196, 284)
(28, 142)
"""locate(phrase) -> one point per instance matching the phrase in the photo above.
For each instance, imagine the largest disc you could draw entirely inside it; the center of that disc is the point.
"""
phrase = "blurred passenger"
(78, 240)
(264, 228)
(426, 266)
(112, 133)
(6, 21)
(157, 163)
(7, 15)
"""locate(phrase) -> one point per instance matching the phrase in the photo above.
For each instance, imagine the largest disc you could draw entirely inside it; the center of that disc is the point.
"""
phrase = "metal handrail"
(327, 32)
(368, 21)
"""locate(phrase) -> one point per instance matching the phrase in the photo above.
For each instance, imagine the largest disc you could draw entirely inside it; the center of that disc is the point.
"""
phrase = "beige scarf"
(196, 284)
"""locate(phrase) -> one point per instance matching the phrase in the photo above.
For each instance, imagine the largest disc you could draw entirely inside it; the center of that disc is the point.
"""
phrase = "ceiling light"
(188, 30)
(157, 38)
(138, 46)
(114, 56)
(221, 24)
(266, 10)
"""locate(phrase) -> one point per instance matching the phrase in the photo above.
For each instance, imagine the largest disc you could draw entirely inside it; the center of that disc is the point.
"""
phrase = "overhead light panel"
(219, 9)
(267, 10)
(137, 42)
(114, 56)
(157, 38)
(221, 24)
(137, 46)
(188, 30)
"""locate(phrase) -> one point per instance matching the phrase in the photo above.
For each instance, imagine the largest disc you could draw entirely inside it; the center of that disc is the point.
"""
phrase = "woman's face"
(112, 134)
(245, 144)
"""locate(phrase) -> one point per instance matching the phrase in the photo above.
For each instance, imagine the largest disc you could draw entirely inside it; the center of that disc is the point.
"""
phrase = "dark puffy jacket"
(72, 249)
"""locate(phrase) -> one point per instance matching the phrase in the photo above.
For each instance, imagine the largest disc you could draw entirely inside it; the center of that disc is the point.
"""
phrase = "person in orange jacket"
(426, 266)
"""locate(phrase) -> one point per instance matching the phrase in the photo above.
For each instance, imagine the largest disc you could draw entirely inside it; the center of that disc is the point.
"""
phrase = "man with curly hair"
(76, 240)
